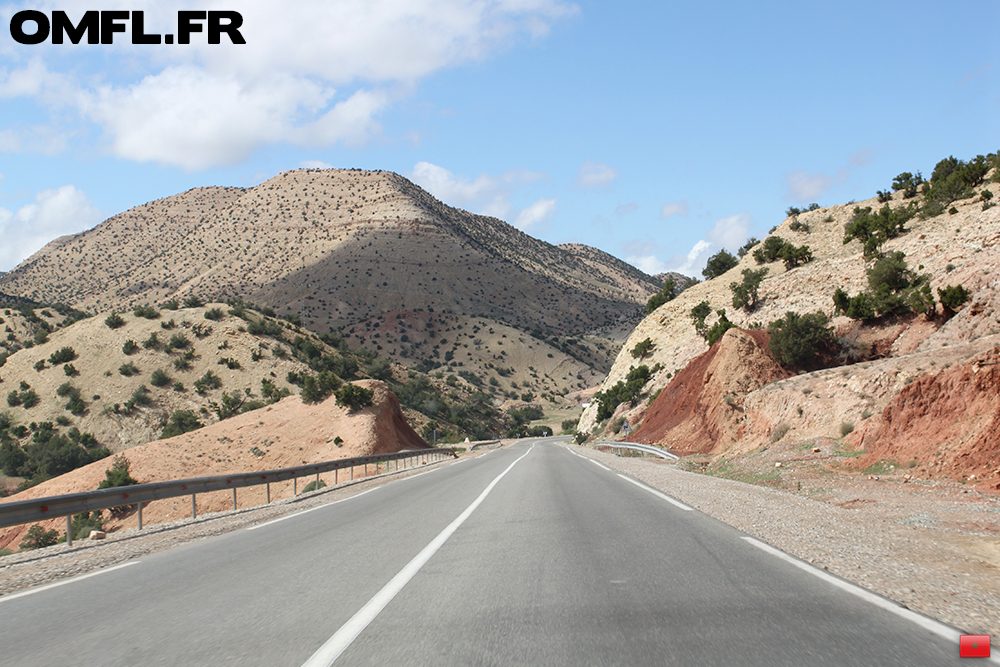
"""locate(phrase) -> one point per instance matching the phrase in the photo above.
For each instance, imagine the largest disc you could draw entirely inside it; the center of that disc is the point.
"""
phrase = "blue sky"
(659, 132)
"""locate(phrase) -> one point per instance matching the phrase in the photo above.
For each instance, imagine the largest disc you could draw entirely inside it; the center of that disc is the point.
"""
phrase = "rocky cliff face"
(879, 364)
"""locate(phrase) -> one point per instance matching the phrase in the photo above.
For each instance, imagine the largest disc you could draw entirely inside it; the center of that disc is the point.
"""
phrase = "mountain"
(338, 248)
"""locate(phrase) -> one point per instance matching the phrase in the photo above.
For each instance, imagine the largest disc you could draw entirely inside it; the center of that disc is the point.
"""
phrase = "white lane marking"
(46, 587)
(657, 493)
(313, 509)
(338, 643)
(598, 464)
(938, 628)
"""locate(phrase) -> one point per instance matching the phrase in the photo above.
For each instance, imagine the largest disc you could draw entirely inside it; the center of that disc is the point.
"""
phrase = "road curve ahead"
(528, 555)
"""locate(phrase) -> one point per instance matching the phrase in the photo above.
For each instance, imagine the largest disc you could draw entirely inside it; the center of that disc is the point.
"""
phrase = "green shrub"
(181, 421)
(265, 327)
(130, 347)
(159, 378)
(215, 314)
(62, 356)
(114, 320)
(29, 398)
(85, 522)
(153, 342)
(353, 396)
(40, 365)
(627, 390)
(13, 399)
(747, 247)
(146, 311)
(666, 293)
(846, 428)
(721, 326)
(37, 538)
(231, 405)
(200, 330)
(128, 369)
(70, 370)
(779, 431)
(796, 339)
(178, 342)
(698, 315)
(908, 183)
(953, 297)
(642, 348)
(206, 382)
(794, 256)
(172, 304)
(874, 229)
(193, 301)
(746, 293)
(768, 251)
(718, 264)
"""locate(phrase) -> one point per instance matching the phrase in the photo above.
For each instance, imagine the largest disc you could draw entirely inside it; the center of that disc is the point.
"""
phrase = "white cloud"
(625, 209)
(690, 264)
(539, 211)
(316, 75)
(807, 187)
(55, 213)
(595, 175)
(674, 208)
(315, 164)
(487, 195)
(731, 232)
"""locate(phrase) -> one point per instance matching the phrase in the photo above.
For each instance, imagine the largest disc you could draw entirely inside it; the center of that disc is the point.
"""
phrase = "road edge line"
(657, 493)
(55, 584)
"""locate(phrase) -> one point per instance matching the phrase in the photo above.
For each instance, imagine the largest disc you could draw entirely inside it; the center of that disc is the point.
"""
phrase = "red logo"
(974, 646)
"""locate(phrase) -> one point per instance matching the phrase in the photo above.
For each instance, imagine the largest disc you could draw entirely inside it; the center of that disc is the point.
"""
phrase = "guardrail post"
(268, 493)
(352, 473)
(335, 477)
(194, 507)
(69, 530)
(234, 497)
(295, 486)
(140, 514)
(316, 485)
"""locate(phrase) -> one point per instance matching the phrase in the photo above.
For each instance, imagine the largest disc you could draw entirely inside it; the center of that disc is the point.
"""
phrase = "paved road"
(529, 555)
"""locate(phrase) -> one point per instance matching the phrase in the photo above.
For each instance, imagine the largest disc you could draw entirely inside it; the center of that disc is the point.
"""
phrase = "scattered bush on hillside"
(70, 370)
(193, 301)
(908, 183)
(114, 320)
(181, 421)
(769, 249)
(146, 311)
(172, 304)
(231, 404)
(316, 388)
(797, 339)
(698, 315)
(207, 382)
(666, 293)
(893, 289)
(874, 229)
(62, 356)
(721, 326)
(952, 180)
(265, 327)
(794, 256)
(798, 226)
(747, 247)
(354, 397)
(130, 347)
(745, 294)
(627, 390)
(953, 297)
(38, 538)
(128, 370)
(200, 330)
(642, 348)
(118, 475)
(215, 314)
(40, 365)
(159, 378)
(718, 264)
(314, 486)
(177, 342)
(41, 336)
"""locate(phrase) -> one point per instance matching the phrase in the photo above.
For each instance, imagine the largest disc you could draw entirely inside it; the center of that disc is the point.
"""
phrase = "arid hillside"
(872, 365)
(285, 434)
(336, 247)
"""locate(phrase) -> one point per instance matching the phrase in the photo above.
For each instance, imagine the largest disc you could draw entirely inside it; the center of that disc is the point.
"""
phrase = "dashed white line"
(66, 581)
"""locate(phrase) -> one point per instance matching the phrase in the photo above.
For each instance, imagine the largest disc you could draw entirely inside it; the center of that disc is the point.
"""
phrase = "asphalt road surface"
(528, 555)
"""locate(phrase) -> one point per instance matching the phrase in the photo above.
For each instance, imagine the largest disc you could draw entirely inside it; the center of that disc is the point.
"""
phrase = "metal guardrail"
(641, 448)
(483, 443)
(41, 509)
